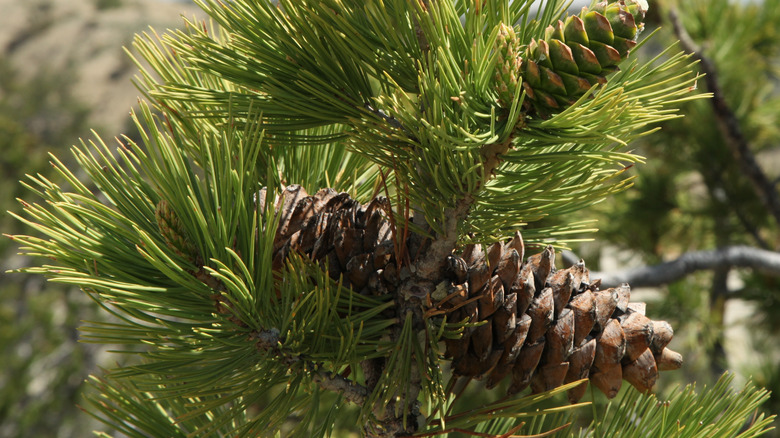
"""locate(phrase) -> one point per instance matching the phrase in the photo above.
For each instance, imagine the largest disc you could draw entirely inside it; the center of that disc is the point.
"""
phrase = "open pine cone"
(539, 326)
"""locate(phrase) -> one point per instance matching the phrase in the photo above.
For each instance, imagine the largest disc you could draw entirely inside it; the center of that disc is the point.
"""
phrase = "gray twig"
(665, 273)
(269, 340)
(330, 381)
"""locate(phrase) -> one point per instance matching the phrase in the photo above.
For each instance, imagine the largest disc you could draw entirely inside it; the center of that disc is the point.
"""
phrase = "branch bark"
(729, 124)
(664, 273)
(268, 341)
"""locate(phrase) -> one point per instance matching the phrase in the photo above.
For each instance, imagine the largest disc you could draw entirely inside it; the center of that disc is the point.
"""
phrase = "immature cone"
(173, 232)
(573, 56)
(535, 325)
(508, 70)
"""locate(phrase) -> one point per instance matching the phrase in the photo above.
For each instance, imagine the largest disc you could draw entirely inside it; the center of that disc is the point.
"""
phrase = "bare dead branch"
(729, 124)
(665, 273)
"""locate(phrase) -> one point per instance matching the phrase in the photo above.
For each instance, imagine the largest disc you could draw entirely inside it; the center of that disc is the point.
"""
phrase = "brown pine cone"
(536, 325)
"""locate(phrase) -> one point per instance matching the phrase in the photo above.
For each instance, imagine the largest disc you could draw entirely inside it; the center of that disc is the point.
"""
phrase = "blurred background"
(63, 72)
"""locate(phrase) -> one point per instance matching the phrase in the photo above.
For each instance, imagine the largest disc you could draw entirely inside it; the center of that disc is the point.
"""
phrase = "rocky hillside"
(87, 35)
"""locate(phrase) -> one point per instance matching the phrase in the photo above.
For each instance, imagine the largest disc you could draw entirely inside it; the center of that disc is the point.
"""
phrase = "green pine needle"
(718, 411)
(169, 235)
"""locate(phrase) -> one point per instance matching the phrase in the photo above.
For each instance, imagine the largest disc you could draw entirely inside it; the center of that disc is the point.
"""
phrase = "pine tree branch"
(729, 124)
(352, 392)
(429, 268)
(688, 263)
(435, 257)
(268, 340)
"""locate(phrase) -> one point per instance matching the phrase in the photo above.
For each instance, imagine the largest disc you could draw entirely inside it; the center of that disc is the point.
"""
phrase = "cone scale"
(575, 55)
(533, 326)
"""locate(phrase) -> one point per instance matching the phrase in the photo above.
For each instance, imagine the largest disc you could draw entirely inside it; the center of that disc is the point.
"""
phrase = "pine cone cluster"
(573, 56)
(538, 326)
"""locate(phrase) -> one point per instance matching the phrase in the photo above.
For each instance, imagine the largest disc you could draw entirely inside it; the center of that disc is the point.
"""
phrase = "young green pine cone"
(508, 70)
(532, 324)
(574, 55)
(173, 232)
